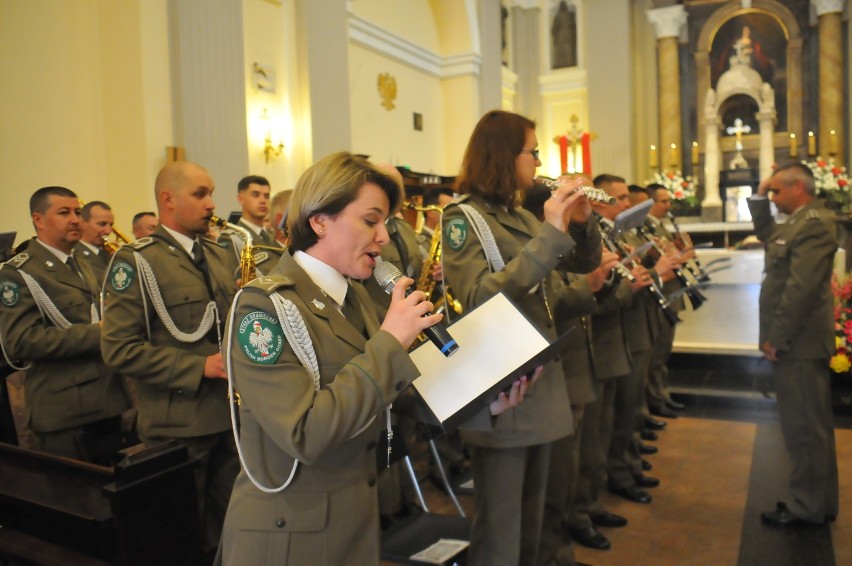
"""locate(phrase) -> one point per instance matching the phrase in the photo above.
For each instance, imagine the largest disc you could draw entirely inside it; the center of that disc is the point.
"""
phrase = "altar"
(727, 323)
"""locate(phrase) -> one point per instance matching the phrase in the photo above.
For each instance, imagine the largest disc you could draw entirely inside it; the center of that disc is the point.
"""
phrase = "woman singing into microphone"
(314, 370)
(492, 245)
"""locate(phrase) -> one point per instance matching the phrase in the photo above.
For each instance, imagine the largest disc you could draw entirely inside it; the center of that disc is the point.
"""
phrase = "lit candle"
(832, 143)
(811, 144)
(653, 157)
(673, 156)
(794, 147)
(695, 153)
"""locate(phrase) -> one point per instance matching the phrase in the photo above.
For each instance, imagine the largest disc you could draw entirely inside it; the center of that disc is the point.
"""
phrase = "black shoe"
(664, 412)
(646, 481)
(649, 435)
(646, 449)
(671, 404)
(607, 519)
(633, 493)
(590, 537)
(654, 424)
(646, 465)
(782, 517)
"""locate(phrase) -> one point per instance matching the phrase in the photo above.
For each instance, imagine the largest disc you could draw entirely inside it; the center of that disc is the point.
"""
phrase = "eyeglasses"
(533, 152)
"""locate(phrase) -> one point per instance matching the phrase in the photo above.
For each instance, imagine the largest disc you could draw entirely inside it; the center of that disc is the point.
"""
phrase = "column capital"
(824, 7)
(667, 21)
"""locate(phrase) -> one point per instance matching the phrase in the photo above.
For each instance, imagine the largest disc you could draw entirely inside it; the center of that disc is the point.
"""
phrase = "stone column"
(766, 120)
(526, 50)
(667, 24)
(830, 77)
(711, 206)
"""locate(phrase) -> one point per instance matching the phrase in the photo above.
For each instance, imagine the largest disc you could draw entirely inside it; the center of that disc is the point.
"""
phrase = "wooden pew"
(141, 511)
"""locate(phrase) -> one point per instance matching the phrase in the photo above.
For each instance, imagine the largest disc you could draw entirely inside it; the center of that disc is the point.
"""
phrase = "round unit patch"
(9, 293)
(261, 337)
(455, 233)
(121, 276)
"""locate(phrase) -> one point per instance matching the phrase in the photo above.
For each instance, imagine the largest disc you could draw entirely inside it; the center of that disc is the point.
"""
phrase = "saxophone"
(425, 282)
(247, 266)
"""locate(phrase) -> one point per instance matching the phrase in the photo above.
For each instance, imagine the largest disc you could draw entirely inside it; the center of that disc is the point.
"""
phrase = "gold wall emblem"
(387, 90)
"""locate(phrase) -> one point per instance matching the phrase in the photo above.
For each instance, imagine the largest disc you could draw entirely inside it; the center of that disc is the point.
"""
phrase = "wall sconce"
(269, 148)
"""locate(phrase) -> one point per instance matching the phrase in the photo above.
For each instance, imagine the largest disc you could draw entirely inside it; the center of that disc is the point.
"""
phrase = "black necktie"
(352, 312)
(200, 262)
(72, 264)
(264, 237)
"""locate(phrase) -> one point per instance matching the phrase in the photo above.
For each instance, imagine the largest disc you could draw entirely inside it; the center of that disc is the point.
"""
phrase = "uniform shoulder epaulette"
(269, 284)
(813, 215)
(18, 260)
(461, 198)
(142, 243)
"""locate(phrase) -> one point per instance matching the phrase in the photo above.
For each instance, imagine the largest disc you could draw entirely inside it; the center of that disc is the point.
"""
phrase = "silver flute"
(593, 194)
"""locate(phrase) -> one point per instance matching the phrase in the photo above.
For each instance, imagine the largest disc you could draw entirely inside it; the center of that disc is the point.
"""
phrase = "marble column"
(667, 24)
(766, 120)
(526, 49)
(711, 206)
(831, 63)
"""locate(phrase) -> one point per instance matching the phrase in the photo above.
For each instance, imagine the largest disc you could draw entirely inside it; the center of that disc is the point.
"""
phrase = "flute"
(592, 193)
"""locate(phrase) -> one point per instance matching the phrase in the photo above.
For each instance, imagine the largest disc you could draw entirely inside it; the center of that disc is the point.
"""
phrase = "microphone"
(387, 275)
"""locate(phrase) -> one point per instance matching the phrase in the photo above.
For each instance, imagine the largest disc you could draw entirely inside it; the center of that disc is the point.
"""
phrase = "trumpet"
(111, 246)
(591, 193)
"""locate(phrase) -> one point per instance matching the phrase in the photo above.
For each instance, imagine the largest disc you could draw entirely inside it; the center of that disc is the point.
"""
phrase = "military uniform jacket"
(575, 304)
(266, 254)
(329, 512)
(796, 305)
(67, 384)
(531, 251)
(175, 400)
(642, 317)
(97, 262)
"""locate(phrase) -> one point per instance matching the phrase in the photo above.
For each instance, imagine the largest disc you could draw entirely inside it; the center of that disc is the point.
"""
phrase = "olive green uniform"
(68, 387)
(510, 452)
(267, 250)
(97, 262)
(328, 514)
(175, 400)
(796, 317)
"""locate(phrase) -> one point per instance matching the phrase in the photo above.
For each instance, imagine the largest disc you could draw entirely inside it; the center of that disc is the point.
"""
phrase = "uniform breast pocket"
(76, 308)
(186, 305)
(777, 255)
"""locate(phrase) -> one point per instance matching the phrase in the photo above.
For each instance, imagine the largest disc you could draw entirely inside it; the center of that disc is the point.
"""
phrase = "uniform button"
(371, 446)
(371, 482)
(180, 391)
(280, 522)
(399, 386)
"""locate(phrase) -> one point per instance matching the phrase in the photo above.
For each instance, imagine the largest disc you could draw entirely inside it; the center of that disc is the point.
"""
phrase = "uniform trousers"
(217, 468)
(629, 399)
(555, 547)
(509, 489)
(595, 439)
(657, 391)
(92, 442)
(807, 423)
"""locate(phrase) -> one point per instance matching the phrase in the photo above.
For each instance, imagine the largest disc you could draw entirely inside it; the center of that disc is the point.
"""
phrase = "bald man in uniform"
(165, 299)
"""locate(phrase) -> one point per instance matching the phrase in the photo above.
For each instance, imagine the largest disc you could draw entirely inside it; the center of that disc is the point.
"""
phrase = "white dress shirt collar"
(328, 279)
(185, 241)
(60, 255)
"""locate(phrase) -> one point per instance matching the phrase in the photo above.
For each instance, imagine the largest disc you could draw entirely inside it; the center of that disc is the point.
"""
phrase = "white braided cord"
(46, 306)
(149, 281)
(483, 232)
(297, 335)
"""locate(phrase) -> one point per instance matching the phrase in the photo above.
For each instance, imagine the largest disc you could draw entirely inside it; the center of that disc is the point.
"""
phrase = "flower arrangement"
(841, 288)
(832, 183)
(680, 188)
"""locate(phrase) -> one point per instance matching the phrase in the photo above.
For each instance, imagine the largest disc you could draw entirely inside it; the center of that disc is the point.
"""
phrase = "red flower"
(820, 163)
(842, 182)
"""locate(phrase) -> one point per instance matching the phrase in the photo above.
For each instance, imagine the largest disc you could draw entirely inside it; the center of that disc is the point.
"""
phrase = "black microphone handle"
(439, 335)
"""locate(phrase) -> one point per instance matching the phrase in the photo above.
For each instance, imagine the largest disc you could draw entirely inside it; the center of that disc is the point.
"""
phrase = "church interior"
(704, 97)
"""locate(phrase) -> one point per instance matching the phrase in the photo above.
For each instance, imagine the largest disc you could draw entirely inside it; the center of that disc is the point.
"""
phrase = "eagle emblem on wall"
(387, 90)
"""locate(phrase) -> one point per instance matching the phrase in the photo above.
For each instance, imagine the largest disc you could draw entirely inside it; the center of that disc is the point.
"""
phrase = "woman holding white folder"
(492, 245)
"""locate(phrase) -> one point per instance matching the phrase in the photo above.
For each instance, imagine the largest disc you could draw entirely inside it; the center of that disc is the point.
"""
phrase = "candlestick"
(832, 143)
(811, 144)
(695, 153)
(654, 162)
(673, 156)
(794, 147)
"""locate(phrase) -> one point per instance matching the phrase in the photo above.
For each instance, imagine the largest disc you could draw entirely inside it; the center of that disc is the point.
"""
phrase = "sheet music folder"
(497, 345)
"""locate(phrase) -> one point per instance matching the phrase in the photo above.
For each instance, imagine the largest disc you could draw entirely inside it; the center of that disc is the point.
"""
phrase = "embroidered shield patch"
(455, 233)
(9, 293)
(261, 337)
(121, 276)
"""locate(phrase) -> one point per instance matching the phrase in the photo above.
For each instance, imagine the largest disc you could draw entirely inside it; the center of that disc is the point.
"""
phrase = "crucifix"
(738, 162)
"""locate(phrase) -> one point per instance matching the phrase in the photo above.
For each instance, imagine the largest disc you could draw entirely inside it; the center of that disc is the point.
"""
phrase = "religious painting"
(563, 34)
(758, 40)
